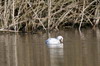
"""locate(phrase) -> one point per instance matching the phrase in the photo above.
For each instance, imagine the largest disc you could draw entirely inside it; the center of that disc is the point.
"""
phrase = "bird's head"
(60, 38)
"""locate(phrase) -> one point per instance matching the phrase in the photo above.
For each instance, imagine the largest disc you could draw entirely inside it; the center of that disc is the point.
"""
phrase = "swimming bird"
(55, 42)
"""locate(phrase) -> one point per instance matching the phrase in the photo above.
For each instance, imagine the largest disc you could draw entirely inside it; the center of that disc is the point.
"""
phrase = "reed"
(30, 15)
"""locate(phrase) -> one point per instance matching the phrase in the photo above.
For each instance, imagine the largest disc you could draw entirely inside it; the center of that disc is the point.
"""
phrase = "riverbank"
(31, 16)
(67, 26)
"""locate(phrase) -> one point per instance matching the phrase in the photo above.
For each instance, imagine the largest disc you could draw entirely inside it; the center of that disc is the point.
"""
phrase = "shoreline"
(69, 26)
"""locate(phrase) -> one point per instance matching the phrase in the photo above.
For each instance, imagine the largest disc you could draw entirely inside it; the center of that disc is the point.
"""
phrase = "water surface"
(80, 49)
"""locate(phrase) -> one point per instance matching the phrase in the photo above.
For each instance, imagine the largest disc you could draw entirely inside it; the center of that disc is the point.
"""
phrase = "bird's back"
(52, 41)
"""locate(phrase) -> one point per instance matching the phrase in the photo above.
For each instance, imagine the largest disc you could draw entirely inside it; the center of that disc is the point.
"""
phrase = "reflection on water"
(56, 56)
(80, 49)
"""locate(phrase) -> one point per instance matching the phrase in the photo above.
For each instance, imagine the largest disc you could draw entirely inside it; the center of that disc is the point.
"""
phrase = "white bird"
(55, 42)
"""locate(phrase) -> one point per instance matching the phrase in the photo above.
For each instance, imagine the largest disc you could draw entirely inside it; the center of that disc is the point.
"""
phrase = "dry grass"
(28, 15)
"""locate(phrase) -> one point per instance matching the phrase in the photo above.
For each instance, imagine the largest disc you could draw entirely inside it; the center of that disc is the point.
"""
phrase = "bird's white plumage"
(55, 42)
(52, 41)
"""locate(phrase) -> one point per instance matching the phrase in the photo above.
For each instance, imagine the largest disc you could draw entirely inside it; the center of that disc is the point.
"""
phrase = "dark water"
(80, 49)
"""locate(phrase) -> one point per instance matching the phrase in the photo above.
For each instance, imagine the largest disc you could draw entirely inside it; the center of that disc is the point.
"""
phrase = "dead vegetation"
(30, 15)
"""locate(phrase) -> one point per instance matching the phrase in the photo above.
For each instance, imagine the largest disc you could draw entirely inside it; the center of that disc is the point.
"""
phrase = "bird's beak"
(61, 40)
